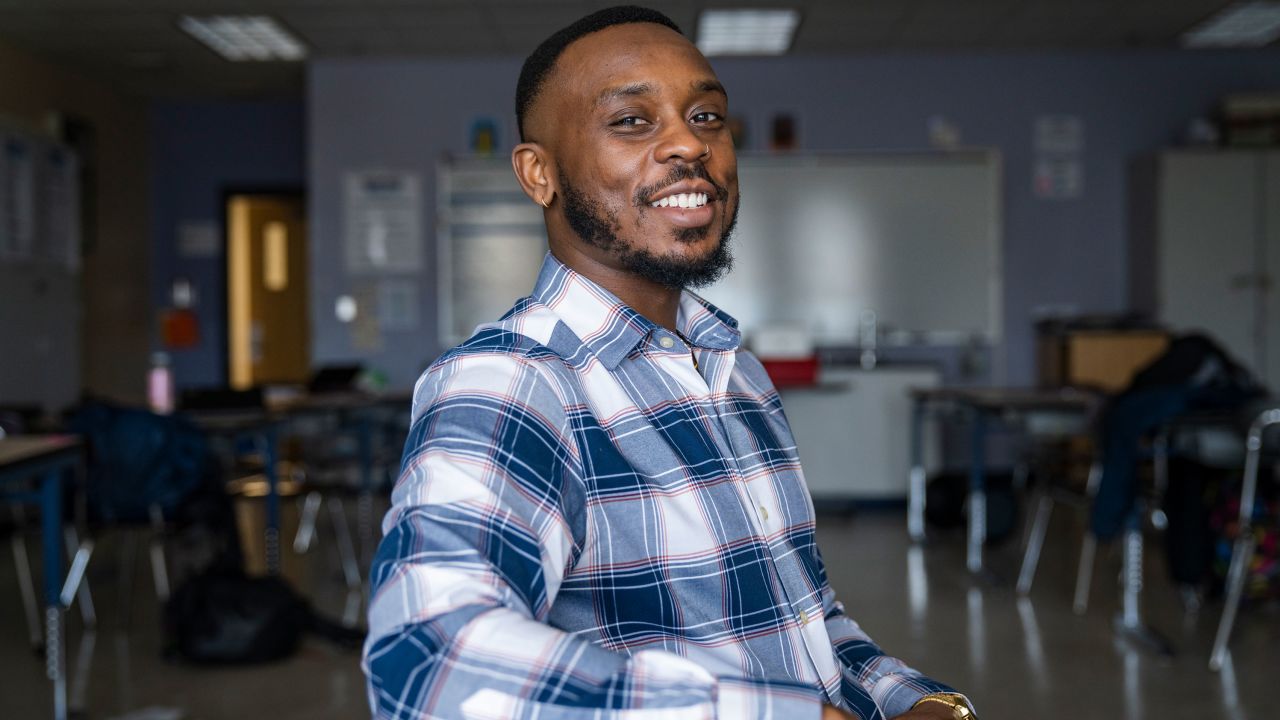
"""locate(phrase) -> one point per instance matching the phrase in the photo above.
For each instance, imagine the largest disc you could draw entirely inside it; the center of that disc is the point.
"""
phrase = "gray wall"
(406, 114)
(199, 151)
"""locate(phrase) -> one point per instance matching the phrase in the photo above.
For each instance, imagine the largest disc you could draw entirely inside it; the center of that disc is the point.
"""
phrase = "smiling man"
(601, 510)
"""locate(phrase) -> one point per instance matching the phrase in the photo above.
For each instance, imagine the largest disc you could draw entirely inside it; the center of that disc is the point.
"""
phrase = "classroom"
(876, 359)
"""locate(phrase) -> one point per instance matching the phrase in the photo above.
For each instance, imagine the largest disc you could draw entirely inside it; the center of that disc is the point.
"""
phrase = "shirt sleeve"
(487, 516)
(868, 673)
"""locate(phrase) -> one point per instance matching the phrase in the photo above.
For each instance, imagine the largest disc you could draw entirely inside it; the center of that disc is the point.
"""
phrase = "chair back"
(137, 459)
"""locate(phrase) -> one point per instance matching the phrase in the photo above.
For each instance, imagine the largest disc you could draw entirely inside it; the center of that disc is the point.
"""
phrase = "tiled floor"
(1017, 658)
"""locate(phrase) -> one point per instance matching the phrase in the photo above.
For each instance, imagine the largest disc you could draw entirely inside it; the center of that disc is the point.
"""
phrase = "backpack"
(223, 616)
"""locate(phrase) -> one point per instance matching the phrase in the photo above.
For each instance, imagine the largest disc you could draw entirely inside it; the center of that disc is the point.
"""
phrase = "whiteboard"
(913, 237)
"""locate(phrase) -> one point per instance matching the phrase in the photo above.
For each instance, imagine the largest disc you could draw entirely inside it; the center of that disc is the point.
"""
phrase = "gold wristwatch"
(959, 708)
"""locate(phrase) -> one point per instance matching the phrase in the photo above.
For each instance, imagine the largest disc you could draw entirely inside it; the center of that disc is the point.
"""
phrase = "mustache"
(684, 171)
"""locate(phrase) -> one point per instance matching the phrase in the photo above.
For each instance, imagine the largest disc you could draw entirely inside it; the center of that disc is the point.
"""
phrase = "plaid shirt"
(585, 523)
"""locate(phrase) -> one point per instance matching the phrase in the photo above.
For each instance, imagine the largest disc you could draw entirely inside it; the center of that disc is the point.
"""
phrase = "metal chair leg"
(76, 703)
(346, 548)
(27, 587)
(83, 595)
(159, 565)
(1035, 543)
(1084, 574)
(1088, 545)
(307, 523)
(1242, 554)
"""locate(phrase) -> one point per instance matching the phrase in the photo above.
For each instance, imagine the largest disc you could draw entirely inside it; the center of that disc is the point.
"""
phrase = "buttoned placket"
(717, 366)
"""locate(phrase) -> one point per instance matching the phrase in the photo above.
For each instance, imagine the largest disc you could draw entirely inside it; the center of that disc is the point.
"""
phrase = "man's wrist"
(948, 706)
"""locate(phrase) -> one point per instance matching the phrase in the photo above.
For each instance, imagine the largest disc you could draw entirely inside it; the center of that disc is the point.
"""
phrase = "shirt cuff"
(764, 699)
(896, 696)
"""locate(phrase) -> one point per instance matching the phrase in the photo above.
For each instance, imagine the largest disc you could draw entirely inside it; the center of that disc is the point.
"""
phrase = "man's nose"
(680, 142)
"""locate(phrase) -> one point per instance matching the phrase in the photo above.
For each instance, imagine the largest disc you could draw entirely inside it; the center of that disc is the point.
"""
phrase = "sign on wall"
(382, 221)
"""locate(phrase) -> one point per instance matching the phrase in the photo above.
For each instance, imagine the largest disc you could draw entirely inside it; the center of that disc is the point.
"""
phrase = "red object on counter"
(792, 372)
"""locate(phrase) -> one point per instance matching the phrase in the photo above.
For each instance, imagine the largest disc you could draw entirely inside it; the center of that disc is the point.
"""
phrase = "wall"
(199, 151)
(115, 318)
(406, 114)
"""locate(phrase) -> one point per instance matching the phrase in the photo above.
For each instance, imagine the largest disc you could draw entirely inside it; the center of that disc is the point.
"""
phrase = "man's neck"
(656, 302)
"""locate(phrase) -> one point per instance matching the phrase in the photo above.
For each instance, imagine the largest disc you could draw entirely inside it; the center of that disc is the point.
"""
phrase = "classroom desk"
(979, 404)
(264, 425)
(47, 458)
(262, 428)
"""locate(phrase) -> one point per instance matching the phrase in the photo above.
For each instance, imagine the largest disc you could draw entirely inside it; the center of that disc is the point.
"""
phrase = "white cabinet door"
(853, 431)
(1208, 248)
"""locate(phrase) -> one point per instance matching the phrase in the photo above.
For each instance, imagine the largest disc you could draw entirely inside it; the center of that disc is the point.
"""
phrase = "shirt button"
(666, 342)
(804, 618)
(764, 513)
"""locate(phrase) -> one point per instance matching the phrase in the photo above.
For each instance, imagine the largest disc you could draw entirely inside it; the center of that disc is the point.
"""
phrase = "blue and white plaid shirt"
(586, 524)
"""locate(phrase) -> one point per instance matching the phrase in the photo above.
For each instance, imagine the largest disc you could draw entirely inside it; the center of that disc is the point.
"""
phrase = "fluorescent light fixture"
(1247, 24)
(241, 38)
(746, 32)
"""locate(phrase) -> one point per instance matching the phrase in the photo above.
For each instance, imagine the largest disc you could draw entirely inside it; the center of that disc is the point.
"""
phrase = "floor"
(1015, 657)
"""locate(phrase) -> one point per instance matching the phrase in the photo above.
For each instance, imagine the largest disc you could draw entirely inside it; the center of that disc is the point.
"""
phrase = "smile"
(681, 200)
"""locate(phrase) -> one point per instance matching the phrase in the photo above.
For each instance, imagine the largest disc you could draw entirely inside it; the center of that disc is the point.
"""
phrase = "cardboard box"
(1102, 359)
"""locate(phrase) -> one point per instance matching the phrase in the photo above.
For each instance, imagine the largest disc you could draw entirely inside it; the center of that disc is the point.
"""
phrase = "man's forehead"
(633, 59)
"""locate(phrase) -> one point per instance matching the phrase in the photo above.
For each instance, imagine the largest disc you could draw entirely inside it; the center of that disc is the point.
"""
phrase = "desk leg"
(977, 488)
(272, 535)
(916, 481)
(51, 549)
(1128, 622)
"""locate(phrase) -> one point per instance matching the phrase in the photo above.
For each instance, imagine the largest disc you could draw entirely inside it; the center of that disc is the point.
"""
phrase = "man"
(600, 507)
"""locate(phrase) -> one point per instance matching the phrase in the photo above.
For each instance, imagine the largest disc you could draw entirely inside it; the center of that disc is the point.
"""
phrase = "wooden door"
(268, 322)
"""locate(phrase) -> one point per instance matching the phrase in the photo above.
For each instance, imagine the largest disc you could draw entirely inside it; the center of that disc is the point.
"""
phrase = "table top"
(1010, 398)
(22, 448)
(244, 419)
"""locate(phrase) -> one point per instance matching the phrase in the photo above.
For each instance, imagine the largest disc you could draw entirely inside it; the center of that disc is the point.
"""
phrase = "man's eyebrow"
(623, 91)
(706, 86)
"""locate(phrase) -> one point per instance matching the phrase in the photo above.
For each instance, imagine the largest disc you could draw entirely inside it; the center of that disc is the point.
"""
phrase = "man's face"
(643, 158)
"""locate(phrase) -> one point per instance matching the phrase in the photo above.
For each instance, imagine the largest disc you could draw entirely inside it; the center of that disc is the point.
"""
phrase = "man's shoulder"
(508, 356)
(523, 334)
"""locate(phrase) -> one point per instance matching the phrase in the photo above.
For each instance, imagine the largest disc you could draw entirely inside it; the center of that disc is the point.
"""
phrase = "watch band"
(959, 706)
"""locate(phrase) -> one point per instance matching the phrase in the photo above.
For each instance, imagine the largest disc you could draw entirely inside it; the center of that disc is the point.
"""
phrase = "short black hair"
(537, 67)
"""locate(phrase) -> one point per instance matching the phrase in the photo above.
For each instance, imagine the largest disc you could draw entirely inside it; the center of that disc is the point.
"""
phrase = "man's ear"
(533, 170)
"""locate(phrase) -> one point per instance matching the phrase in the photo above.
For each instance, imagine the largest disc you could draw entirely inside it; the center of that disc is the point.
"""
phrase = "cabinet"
(1218, 251)
(853, 431)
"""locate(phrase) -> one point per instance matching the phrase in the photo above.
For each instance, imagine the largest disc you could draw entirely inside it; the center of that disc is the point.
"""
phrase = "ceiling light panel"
(245, 38)
(746, 32)
(1248, 24)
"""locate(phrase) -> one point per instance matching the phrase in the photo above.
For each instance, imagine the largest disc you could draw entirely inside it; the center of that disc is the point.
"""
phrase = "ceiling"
(136, 44)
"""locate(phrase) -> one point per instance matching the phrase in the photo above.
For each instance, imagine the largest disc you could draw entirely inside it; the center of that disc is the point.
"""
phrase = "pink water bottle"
(160, 384)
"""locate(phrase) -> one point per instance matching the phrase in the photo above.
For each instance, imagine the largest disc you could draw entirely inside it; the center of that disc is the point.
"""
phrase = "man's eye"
(707, 117)
(631, 121)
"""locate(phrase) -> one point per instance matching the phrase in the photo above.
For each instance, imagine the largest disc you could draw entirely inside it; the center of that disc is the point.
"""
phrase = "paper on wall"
(382, 221)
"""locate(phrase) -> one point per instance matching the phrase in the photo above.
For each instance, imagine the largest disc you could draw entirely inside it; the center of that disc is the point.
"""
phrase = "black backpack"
(223, 616)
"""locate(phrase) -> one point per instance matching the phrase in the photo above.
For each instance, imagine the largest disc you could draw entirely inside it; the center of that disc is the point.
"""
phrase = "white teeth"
(683, 200)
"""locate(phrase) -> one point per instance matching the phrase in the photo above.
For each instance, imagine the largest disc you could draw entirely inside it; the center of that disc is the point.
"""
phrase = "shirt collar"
(611, 329)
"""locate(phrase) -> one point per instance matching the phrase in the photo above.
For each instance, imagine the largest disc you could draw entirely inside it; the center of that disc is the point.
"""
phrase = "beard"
(600, 228)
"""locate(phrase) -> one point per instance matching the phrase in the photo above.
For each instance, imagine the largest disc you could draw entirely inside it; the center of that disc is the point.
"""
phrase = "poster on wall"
(1057, 170)
(382, 220)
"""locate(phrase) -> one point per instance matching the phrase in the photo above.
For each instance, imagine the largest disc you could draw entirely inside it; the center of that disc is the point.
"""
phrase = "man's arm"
(892, 684)
(487, 517)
